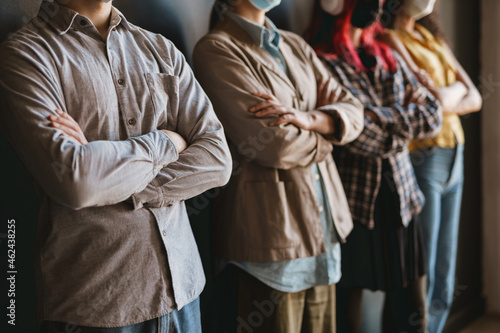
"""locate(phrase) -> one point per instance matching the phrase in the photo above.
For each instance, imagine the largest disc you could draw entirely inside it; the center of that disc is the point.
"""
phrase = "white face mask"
(265, 5)
(419, 8)
(332, 7)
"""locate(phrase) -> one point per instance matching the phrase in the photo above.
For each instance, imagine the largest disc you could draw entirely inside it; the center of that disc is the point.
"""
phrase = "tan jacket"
(269, 210)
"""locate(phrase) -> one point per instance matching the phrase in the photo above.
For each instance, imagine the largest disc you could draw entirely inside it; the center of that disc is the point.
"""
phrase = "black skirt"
(387, 257)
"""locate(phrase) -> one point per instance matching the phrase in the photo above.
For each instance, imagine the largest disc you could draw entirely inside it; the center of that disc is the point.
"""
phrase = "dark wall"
(17, 201)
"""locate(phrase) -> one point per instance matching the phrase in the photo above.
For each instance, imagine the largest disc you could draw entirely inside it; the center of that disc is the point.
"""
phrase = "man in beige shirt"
(116, 133)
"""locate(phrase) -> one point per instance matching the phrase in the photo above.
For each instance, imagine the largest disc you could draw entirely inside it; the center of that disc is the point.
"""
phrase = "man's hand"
(72, 130)
(68, 126)
(285, 115)
(179, 142)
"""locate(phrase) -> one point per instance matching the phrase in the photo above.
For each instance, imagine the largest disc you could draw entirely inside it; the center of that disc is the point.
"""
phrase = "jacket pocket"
(164, 92)
(266, 212)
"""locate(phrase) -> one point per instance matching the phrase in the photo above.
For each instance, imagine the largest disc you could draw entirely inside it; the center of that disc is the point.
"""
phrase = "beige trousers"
(262, 309)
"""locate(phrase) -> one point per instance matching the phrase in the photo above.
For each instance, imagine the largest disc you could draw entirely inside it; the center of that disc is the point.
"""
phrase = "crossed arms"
(147, 168)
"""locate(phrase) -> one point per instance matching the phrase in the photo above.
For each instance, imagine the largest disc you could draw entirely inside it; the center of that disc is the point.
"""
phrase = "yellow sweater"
(432, 56)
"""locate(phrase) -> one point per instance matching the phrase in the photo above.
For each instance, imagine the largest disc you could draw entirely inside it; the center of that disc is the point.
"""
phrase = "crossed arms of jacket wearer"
(230, 81)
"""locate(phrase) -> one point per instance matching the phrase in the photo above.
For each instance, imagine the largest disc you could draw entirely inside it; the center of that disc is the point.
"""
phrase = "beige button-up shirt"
(103, 260)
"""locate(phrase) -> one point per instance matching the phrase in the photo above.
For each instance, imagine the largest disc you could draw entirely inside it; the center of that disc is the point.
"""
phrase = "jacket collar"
(244, 41)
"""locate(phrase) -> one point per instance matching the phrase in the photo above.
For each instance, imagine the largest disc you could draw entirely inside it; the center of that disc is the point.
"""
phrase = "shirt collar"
(62, 18)
(268, 33)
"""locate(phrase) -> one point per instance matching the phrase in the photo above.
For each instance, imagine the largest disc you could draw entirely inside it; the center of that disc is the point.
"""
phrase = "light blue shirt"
(267, 37)
(303, 273)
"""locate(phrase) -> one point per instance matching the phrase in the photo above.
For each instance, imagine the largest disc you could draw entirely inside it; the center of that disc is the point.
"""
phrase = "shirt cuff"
(151, 191)
(165, 152)
(339, 132)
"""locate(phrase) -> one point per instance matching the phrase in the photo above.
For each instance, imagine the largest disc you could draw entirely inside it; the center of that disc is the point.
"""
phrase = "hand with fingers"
(326, 94)
(315, 120)
(68, 126)
(425, 79)
(415, 96)
(72, 130)
(284, 115)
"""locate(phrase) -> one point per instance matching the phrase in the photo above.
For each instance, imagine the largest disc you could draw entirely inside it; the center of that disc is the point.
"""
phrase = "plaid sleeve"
(424, 112)
(379, 139)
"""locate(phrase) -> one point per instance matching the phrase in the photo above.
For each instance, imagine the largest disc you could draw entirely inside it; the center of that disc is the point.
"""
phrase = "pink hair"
(331, 37)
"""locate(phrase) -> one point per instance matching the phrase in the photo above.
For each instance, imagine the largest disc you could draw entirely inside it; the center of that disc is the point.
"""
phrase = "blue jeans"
(186, 320)
(440, 177)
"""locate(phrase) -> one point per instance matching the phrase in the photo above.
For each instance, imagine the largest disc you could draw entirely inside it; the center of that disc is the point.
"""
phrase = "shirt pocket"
(270, 226)
(164, 93)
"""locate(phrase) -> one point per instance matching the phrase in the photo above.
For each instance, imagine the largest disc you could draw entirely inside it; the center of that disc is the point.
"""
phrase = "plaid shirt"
(405, 111)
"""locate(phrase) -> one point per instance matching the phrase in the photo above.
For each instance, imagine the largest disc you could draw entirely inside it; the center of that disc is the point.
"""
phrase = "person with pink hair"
(384, 250)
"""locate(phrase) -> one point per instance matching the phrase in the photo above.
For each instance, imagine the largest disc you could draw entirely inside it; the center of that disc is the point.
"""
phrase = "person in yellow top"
(438, 162)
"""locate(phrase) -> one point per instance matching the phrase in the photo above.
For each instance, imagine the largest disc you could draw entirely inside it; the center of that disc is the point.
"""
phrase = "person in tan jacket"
(281, 218)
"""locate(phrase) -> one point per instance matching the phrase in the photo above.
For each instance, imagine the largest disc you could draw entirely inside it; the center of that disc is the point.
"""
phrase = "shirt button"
(132, 122)
(316, 176)
(121, 82)
(164, 233)
(321, 209)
